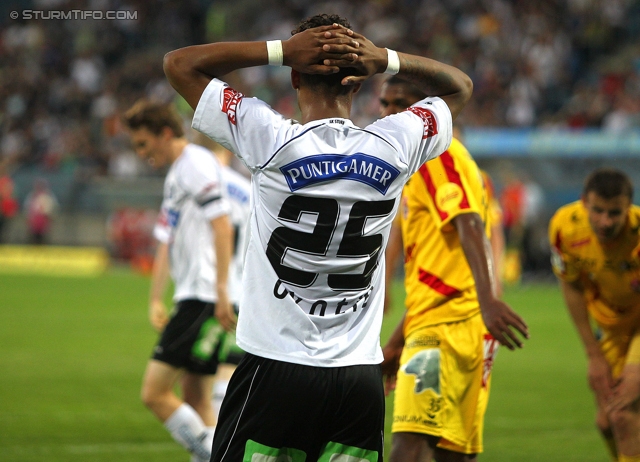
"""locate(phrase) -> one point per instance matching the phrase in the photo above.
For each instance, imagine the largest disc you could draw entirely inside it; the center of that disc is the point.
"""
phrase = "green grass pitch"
(73, 351)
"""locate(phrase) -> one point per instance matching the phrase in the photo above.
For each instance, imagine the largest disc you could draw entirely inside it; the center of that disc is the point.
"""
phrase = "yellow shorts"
(443, 383)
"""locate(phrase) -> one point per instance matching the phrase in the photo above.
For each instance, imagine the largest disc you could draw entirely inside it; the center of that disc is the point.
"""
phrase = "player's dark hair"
(154, 117)
(332, 81)
(608, 183)
(408, 86)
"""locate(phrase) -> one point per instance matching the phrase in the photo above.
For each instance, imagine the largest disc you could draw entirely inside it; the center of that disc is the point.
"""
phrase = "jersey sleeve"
(200, 176)
(420, 133)
(561, 261)
(248, 127)
(162, 227)
(448, 190)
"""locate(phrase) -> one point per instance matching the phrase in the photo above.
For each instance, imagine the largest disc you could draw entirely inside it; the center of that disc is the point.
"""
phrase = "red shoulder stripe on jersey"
(436, 283)
(454, 177)
(426, 176)
(580, 243)
(558, 241)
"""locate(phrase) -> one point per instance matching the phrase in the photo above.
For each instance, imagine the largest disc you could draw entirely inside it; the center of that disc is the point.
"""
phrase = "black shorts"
(302, 412)
(191, 339)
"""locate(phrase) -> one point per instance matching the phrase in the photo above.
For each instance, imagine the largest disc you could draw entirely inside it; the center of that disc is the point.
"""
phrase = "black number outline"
(354, 244)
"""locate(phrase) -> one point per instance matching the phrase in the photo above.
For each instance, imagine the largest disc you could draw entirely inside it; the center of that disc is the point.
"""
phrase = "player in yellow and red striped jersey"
(596, 255)
(442, 352)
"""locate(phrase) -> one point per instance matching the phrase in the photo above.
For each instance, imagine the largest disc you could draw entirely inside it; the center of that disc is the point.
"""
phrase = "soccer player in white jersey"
(324, 193)
(239, 193)
(195, 245)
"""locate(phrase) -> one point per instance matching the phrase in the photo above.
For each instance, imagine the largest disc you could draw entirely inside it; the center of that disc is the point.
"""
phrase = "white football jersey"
(193, 196)
(238, 191)
(324, 195)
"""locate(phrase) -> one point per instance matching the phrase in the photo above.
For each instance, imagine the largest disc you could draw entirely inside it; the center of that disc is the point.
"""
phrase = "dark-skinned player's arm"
(500, 319)
(190, 69)
(599, 372)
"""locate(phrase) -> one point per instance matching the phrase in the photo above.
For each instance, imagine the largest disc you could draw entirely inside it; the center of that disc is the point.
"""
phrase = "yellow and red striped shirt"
(438, 280)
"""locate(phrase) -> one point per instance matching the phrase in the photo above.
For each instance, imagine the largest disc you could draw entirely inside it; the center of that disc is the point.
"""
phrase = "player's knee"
(623, 421)
(150, 397)
(410, 447)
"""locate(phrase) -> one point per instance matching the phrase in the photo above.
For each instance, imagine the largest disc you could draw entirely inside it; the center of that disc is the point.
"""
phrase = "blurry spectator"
(522, 202)
(40, 206)
(566, 64)
(8, 204)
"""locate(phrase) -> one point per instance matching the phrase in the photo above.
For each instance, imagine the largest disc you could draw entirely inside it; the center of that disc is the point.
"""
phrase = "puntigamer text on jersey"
(324, 167)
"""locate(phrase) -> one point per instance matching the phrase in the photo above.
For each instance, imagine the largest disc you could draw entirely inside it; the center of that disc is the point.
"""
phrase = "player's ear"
(167, 133)
(295, 79)
(356, 88)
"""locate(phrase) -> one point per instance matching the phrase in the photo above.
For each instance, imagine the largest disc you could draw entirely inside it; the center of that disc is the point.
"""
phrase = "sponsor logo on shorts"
(425, 365)
(425, 341)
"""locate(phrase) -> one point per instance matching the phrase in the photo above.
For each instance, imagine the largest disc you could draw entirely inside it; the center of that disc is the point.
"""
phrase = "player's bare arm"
(391, 255)
(432, 77)
(223, 246)
(159, 278)
(190, 69)
(392, 352)
(599, 371)
(500, 319)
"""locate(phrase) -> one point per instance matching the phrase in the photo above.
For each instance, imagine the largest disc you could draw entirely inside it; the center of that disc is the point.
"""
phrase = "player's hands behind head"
(311, 50)
(369, 59)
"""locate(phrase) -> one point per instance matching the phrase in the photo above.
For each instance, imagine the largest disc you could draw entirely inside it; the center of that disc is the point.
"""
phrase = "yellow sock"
(623, 458)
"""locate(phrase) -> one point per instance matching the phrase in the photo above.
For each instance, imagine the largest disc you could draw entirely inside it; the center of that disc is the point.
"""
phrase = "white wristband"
(274, 52)
(393, 62)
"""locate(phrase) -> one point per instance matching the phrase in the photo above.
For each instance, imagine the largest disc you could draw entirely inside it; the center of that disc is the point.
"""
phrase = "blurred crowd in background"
(545, 63)
(64, 83)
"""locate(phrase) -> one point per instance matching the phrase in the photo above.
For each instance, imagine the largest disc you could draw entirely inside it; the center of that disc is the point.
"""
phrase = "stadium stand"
(548, 64)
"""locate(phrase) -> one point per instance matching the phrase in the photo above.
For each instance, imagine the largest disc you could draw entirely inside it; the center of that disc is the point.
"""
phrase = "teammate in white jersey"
(195, 244)
(239, 193)
(324, 194)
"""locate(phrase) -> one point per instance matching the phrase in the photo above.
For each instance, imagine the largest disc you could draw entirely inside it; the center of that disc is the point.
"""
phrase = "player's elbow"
(173, 65)
(458, 101)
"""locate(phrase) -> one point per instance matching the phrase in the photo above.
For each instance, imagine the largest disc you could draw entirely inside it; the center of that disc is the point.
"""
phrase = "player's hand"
(626, 391)
(503, 323)
(370, 59)
(599, 377)
(309, 51)
(224, 312)
(390, 365)
(158, 315)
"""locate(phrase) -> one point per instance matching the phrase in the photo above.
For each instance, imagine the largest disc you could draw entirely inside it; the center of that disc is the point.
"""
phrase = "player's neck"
(177, 146)
(315, 107)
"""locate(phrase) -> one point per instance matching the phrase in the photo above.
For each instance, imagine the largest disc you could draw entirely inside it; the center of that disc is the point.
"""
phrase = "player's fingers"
(514, 339)
(347, 60)
(518, 323)
(341, 46)
(339, 28)
(321, 69)
(498, 334)
(353, 80)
